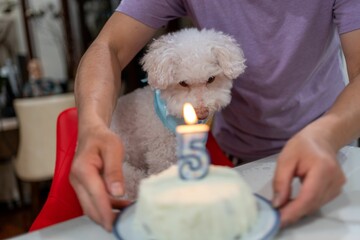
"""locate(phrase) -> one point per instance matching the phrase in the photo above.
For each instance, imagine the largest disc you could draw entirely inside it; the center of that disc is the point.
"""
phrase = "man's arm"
(96, 173)
(311, 154)
(98, 77)
(344, 116)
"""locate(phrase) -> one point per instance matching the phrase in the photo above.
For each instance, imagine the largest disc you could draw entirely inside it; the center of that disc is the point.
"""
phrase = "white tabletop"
(337, 220)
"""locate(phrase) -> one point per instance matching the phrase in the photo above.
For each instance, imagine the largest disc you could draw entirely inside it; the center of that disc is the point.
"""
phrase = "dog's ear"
(229, 55)
(160, 62)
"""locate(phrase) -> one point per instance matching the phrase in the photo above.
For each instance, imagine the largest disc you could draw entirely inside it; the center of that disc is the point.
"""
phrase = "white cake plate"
(265, 228)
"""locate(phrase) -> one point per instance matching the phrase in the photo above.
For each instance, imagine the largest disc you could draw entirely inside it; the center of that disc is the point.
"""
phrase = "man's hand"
(311, 154)
(313, 161)
(96, 174)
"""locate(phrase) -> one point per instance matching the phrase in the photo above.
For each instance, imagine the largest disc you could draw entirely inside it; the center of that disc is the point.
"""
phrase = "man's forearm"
(97, 85)
(341, 124)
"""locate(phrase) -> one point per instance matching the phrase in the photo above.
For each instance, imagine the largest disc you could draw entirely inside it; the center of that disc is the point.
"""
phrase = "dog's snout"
(202, 113)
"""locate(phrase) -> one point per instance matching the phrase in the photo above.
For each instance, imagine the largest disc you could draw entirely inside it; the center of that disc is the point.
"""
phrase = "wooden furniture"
(35, 160)
(9, 141)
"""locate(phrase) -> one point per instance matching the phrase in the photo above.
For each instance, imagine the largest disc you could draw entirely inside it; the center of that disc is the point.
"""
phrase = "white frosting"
(219, 206)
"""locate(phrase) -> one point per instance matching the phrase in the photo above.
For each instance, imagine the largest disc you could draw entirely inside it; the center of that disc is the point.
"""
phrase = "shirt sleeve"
(347, 15)
(154, 13)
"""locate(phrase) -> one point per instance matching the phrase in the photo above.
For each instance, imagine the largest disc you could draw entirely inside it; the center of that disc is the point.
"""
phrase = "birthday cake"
(218, 206)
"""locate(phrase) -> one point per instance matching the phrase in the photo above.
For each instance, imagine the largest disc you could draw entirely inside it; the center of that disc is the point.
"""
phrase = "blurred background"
(41, 43)
(56, 32)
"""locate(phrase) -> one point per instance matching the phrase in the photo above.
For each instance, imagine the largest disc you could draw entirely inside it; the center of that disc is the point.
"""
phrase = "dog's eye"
(183, 84)
(211, 79)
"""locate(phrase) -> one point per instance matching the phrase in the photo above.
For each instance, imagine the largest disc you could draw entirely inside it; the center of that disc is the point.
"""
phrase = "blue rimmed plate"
(265, 228)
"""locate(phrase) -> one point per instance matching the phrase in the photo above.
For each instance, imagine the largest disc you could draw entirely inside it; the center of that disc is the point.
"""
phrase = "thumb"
(282, 181)
(113, 175)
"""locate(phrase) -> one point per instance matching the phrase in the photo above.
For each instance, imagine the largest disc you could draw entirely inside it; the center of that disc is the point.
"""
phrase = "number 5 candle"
(193, 158)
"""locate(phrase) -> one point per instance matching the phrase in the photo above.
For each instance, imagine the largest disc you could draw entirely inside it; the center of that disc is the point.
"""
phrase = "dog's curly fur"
(195, 66)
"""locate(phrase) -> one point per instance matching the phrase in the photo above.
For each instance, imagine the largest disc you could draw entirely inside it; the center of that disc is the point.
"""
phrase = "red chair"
(62, 203)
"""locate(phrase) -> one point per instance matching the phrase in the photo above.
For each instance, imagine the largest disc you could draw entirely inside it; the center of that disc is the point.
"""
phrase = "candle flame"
(189, 114)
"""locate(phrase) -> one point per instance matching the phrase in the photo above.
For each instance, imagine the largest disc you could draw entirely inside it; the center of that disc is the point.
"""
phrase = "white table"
(337, 220)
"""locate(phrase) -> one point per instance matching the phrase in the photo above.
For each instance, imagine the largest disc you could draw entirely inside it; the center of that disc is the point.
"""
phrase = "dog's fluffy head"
(195, 66)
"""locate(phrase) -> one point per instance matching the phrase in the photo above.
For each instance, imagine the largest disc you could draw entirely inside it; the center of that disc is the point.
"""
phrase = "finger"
(83, 196)
(282, 180)
(334, 189)
(87, 205)
(310, 198)
(120, 204)
(338, 180)
(95, 195)
(113, 169)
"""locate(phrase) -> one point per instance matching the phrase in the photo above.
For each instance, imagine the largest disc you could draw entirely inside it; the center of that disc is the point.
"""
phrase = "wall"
(47, 33)
(48, 37)
(17, 16)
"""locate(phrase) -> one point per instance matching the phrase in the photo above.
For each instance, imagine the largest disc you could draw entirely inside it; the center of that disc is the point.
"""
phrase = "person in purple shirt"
(297, 96)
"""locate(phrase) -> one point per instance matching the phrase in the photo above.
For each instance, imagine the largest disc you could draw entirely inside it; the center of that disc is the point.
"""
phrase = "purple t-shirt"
(294, 70)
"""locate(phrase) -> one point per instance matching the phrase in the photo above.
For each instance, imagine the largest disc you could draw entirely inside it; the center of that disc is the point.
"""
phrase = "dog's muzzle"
(202, 113)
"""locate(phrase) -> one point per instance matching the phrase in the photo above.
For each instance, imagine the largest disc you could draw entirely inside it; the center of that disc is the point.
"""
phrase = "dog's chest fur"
(149, 145)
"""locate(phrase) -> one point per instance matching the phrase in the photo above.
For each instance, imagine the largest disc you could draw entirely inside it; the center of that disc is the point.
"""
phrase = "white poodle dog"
(186, 66)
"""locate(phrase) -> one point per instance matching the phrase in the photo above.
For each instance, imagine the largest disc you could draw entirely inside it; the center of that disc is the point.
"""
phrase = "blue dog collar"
(168, 120)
